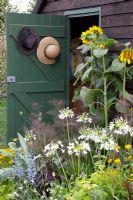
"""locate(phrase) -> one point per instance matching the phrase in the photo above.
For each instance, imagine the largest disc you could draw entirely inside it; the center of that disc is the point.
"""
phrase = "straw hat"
(28, 40)
(48, 50)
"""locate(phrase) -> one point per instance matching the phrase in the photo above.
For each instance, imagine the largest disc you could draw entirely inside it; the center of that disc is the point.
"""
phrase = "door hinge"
(11, 79)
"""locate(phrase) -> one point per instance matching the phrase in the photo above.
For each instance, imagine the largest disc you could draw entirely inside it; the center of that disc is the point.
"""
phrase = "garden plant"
(90, 160)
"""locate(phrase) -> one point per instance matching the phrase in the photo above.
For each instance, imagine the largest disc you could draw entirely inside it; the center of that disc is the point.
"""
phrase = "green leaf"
(129, 97)
(86, 73)
(122, 107)
(76, 94)
(89, 59)
(22, 143)
(79, 68)
(117, 65)
(4, 171)
(98, 53)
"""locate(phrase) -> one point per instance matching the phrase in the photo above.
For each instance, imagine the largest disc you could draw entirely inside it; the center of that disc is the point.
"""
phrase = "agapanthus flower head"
(108, 145)
(120, 126)
(84, 117)
(126, 55)
(51, 149)
(66, 113)
(78, 147)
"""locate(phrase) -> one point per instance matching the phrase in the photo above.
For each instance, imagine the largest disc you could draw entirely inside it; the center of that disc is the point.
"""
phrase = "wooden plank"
(117, 8)
(125, 32)
(36, 87)
(56, 31)
(74, 4)
(117, 20)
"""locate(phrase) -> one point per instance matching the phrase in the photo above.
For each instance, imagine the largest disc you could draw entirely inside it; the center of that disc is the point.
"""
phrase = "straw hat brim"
(41, 50)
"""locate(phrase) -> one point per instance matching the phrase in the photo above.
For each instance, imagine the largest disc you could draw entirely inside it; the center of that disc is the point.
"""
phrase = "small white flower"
(66, 113)
(78, 147)
(108, 144)
(84, 118)
(51, 148)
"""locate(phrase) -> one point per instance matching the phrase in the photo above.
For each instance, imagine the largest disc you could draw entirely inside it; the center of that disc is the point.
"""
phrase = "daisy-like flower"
(78, 147)
(51, 148)
(84, 118)
(66, 113)
(119, 126)
(117, 161)
(126, 55)
(128, 146)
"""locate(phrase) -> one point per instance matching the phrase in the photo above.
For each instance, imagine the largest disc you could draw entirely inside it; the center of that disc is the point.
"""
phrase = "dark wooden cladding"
(75, 4)
(117, 20)
(120, 32)
(118, 8)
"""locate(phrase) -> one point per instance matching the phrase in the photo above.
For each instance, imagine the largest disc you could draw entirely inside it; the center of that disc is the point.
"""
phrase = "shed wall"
(116, 15)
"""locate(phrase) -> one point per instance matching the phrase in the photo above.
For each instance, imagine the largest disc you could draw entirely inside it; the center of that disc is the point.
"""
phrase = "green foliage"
(6, 190)
(3, 122)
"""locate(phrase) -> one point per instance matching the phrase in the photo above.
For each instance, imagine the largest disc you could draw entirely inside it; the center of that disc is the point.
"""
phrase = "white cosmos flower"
(78, 147)
(84, 118)
(66, 113)
(51, 148)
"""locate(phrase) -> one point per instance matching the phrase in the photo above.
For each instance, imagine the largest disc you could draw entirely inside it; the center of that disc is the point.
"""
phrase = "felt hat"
(48, 50)
(28, 40)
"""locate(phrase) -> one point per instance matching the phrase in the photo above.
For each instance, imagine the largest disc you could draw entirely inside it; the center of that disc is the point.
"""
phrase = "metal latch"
(11, 79)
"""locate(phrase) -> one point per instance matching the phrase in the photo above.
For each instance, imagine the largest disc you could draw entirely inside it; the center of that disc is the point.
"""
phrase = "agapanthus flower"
(108, 145)
(51, 149)
(66, 113)
(78, 147)
(126, 55)
(84, 118)
(119, 126)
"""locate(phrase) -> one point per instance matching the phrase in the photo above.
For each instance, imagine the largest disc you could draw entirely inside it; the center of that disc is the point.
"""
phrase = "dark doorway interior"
(77, 26)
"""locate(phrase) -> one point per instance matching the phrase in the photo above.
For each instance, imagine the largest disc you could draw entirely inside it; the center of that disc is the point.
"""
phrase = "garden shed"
(30, 81)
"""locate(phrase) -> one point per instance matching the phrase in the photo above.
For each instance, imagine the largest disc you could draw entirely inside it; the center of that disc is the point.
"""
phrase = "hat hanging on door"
(48, 50)
(28, 40)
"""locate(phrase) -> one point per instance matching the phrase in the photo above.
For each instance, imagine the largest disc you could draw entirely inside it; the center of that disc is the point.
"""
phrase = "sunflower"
(126, 55)
(92, 30)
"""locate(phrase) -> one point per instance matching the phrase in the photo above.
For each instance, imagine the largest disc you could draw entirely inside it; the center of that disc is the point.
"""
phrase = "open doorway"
(77, 26)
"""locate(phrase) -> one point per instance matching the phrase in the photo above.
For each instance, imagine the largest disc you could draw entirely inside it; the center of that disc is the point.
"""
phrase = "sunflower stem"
(105, 95)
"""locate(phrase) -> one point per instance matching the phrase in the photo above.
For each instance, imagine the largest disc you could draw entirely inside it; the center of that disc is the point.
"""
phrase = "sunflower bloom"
(128, 146)
(96, 29)
(126, 56)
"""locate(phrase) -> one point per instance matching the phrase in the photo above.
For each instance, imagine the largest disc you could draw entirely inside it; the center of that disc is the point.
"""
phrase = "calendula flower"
(128, 146)
(130, 157)
(84, 118)
(117, 161)
(126, 55)
(66, 113)
(117, 148)
(110, 161)
(10, 162)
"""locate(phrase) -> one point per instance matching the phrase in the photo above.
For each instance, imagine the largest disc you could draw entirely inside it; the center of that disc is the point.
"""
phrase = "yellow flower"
(111, 172)
(110, 160)
(15, 139)
(117, 161)
(130, 157)
(102, 46)
(10, 162)
(117, 148)
(96, 29)
(128, 146)
(126, 55)
(131, 174)
(0, 162)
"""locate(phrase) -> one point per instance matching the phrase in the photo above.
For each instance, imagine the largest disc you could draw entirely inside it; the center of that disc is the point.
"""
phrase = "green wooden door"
(29, 81)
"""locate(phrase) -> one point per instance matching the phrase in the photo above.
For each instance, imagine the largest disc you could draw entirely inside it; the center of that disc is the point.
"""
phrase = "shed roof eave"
(40, 4)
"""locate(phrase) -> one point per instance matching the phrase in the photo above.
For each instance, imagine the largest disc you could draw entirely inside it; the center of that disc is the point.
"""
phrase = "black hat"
(28, 40)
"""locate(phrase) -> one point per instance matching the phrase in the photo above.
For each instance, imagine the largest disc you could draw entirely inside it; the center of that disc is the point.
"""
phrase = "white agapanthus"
(108, 144)
(131, 131)
(78, 147)
(119, 126)
(66, 113)
(84, 118)
(52, 148)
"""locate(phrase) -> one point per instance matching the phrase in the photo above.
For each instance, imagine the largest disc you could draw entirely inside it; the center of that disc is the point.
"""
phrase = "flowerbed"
(92, 160)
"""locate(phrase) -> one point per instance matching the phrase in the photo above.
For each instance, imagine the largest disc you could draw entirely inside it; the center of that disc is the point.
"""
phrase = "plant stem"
(78, 165)
(105, 96)
(69, 140)
(124, 82)
(62, 167)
